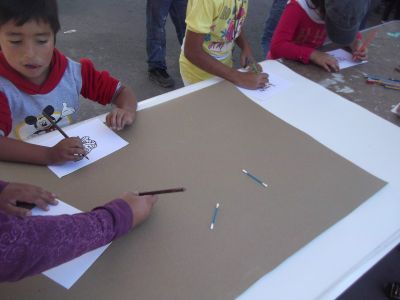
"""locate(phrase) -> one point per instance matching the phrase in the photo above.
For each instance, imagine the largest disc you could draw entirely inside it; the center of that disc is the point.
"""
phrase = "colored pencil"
(167, 191)
(368, 40)
(54, 124)
(255, 178)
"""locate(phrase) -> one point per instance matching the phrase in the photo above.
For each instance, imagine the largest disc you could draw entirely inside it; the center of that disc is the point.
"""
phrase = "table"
(383, 57)
(375, 223)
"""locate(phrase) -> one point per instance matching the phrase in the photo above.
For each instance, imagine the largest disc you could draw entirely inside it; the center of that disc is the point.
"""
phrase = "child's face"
(28, 49)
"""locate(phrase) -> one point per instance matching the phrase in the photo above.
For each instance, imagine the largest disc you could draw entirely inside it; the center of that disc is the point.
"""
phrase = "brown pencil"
(167, 191)
(54, 124)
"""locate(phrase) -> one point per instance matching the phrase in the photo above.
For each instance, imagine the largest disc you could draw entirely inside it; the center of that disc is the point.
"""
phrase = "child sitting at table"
(302, 29)
(212, 29)
(31, 245)
(36, 79)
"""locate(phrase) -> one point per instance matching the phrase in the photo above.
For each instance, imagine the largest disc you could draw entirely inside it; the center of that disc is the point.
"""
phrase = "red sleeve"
(97, 86)
(5, 115)
(282, 44)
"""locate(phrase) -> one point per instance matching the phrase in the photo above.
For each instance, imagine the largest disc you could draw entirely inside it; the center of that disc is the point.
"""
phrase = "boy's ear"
(49, 110)
(30, 120)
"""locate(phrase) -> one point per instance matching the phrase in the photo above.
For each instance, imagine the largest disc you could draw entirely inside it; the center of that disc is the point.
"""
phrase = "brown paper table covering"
(202, 141)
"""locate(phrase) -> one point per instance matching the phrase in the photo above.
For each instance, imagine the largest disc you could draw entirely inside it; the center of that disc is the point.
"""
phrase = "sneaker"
(161, 77)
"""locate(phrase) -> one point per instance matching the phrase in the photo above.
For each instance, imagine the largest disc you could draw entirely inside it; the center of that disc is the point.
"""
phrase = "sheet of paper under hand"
(396, 109)
(68, 273)
(344, 58)
(98, 140)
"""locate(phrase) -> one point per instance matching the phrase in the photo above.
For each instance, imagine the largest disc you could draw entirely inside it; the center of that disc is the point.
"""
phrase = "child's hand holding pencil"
(68, 149)
(360, 47)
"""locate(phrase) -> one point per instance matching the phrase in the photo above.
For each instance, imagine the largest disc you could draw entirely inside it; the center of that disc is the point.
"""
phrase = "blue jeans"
(274, 15)
(156, 16)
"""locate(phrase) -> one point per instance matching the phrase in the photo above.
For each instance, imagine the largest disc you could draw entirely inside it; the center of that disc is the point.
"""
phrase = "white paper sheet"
(68, 273)
(278, 84)
(97, 138)
(345, 59)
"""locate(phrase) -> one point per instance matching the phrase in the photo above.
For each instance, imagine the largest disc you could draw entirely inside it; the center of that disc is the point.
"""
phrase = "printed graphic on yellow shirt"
(225, 29)
(221, 22)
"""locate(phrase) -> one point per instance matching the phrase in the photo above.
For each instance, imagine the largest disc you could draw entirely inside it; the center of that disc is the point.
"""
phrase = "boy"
(35, 78)
(212, 28)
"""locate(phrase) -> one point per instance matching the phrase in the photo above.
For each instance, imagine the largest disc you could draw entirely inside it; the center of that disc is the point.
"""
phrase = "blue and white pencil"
(214, 217)
(255, 178)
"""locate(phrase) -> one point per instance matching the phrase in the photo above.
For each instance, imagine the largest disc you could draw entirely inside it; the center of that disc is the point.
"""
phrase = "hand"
(247, 61)
(359, 53)
(326, 61)
(250, 80)
(69, 149)
(118, 118)
(27, 193)
(140, 205)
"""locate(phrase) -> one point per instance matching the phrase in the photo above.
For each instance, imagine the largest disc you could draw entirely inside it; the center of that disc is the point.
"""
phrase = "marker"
(214, 217)
(255, 178)
(54, 124)
(252, 64)
(167, 191)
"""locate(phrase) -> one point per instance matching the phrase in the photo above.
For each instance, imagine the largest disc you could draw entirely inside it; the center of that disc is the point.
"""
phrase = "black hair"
(319, 5)
(22, 11)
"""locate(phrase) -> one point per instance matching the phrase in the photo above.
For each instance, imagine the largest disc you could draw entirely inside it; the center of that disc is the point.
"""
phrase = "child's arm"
(40, 238)
(70, 149)
(125, 111)
(283, 41)
(196, 55)
(103, 88)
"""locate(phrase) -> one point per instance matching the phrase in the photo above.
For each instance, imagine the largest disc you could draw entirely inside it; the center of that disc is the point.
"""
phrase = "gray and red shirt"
(22, 102)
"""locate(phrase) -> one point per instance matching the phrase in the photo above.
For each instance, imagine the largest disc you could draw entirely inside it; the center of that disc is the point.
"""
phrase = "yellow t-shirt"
(221, 22)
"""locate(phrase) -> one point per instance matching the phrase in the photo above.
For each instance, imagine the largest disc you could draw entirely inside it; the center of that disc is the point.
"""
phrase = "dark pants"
(389, 7)
(156, 14)
(274, 16)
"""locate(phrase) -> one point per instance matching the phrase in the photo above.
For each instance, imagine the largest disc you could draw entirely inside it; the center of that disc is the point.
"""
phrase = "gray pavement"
(113, 35)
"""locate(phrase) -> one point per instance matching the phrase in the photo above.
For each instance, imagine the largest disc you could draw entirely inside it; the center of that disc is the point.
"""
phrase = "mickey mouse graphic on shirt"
(42, 125)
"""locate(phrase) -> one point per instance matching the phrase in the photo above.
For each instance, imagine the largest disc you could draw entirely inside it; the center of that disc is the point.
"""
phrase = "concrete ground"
(113, 35)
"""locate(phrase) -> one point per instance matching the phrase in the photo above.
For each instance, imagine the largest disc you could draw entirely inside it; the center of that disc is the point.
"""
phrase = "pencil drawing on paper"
(88, 144)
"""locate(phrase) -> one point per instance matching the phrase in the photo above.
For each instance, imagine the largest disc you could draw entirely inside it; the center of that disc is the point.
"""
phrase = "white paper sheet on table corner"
(344, 58)
(68, 273)
(97, 138)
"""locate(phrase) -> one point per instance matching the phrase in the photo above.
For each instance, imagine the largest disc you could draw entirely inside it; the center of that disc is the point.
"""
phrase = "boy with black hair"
(35, 78)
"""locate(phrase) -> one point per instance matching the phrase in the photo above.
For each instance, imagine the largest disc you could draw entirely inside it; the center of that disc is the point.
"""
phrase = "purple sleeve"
(3, 184)
(31, 245)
